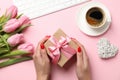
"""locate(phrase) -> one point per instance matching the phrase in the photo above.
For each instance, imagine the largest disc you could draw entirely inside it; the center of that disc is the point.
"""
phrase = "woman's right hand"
(82, 66)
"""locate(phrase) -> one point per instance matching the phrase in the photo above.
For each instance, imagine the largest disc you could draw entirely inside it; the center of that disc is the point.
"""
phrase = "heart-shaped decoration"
(106, 49)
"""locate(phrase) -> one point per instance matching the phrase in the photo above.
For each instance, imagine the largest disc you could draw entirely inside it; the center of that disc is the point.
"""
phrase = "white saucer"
(82, 19)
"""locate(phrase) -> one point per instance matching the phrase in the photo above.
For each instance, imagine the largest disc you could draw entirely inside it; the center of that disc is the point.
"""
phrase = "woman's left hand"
(41, 61)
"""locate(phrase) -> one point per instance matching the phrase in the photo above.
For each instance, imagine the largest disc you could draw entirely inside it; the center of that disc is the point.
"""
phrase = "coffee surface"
(95, 17)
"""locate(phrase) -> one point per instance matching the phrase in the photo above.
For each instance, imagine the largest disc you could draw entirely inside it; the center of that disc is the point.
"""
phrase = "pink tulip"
(24, 20)
(26, 47)
(12, 11)
(11, 25)
(15, 39)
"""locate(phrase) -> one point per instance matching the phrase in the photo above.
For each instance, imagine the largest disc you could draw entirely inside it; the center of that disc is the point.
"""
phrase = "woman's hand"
(41, 61)
(82, 67)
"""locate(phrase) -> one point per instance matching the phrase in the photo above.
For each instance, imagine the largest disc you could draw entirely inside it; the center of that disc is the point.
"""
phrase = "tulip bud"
(24, 20)
(11, 25)
(26, 47)
(15, 39)
(12, 11)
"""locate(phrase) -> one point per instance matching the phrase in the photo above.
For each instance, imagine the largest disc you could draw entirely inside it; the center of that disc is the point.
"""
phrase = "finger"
(79, 53)
(85, 57)
(76, 42)
(41, 43)
(43, 52)
(79, 57)
(44, 39)
(37, 53)
(42, 48)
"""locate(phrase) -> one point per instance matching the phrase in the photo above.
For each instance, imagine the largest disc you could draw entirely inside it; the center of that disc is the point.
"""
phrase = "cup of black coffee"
(95, 17)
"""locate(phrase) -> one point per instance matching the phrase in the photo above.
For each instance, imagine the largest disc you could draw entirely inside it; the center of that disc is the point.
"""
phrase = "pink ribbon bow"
(59, 47)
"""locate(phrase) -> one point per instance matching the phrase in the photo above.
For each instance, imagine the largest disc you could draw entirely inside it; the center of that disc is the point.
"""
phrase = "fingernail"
(79, 49)
(48, 36)
(42, 46)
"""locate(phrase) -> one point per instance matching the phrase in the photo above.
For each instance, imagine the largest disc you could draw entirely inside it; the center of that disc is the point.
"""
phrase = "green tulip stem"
(13, 53)
(14, 61)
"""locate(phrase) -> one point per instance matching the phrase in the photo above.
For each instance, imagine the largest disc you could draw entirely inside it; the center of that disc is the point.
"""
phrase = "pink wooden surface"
(66, 20)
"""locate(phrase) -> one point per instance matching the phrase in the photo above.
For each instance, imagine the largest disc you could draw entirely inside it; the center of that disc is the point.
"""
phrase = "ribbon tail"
(68, 51)
(55, 55)
(56, 59)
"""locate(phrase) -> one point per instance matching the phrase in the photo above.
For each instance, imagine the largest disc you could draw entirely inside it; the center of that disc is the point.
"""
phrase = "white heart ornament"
(106, 49)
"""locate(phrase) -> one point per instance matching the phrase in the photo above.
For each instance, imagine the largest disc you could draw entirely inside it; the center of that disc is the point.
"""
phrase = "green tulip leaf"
(3, 50)
(19, 16)
(2, 45)
(6, 36)
(5, 42)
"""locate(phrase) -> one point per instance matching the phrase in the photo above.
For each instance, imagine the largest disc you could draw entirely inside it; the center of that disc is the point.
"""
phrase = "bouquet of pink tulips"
(13, 48)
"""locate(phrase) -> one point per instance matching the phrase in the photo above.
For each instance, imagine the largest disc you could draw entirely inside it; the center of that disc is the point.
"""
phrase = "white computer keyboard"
(36, 8)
